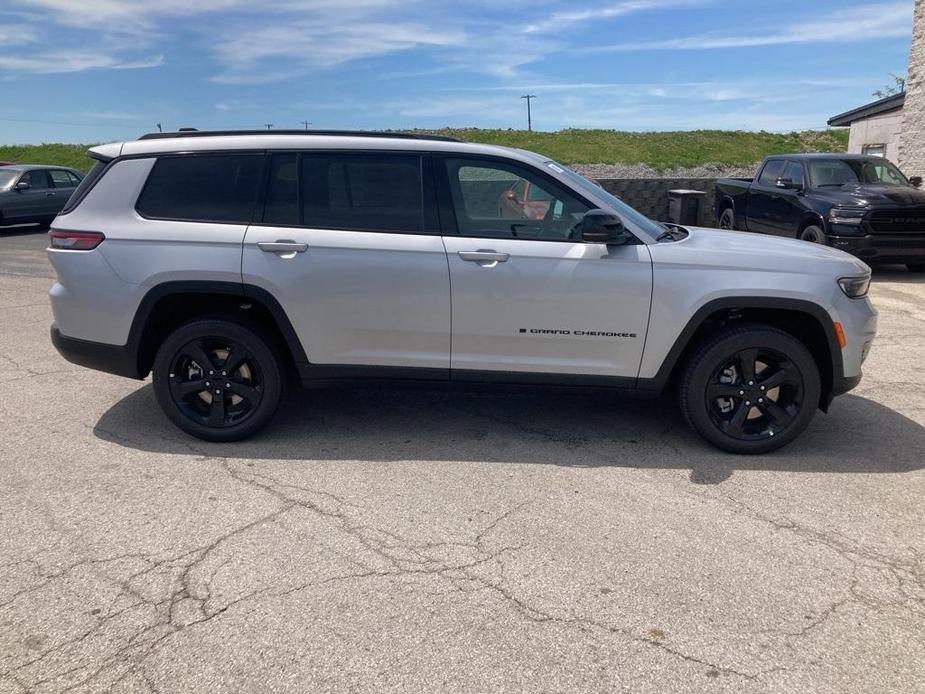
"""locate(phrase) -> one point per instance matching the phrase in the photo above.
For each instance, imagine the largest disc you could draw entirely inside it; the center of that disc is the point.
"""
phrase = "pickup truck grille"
(910, 220)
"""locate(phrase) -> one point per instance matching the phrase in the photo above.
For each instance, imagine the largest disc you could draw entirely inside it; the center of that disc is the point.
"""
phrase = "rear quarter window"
(86, 184)
(202, 188)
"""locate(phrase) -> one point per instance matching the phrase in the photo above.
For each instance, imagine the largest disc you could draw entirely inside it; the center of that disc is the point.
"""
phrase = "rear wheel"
(750, 389)
(916, 267)
(727, 219)
(218, 379)
(813, 234)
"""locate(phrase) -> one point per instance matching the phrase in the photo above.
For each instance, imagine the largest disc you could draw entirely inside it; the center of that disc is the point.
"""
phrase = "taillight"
(75, 240)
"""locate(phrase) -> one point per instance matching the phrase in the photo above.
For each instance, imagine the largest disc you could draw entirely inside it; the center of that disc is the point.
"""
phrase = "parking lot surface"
(380, 540)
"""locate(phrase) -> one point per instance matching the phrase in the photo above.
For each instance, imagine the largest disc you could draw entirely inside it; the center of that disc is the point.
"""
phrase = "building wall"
(884, 128)
(912, 147)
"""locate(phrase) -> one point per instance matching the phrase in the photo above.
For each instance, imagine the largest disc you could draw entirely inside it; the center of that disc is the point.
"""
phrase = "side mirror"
(788, 184)
(22, 185)
(600, 226)
(916, 181)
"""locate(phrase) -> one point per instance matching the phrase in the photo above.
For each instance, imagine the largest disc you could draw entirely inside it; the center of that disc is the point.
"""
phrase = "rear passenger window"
(202, 188)
(364, 192)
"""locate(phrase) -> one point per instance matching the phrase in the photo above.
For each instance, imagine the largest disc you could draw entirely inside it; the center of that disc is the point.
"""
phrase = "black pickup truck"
(860, 204)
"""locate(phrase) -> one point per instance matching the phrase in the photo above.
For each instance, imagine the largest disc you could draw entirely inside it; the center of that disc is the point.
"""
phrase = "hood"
(864, 194)
(758, 252)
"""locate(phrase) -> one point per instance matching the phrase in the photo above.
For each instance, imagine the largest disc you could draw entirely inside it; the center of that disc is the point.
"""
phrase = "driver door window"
(499, 200)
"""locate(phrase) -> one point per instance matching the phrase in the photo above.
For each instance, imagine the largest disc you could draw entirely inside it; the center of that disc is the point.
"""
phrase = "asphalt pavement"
(387, 540)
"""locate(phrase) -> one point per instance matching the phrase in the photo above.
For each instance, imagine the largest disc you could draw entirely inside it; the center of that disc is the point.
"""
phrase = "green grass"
(661, 150)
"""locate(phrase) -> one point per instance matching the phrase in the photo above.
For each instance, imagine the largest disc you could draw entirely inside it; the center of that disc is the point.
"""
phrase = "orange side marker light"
(840, 334)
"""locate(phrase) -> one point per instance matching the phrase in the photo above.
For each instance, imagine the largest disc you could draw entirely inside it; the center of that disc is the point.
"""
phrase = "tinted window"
(501, 200)
(794, 171)
(210, 188)
(7, 178)
(282, 204)
(840, 172)
(362, 191)
(85, 184)
(771, 172)
(38, 180)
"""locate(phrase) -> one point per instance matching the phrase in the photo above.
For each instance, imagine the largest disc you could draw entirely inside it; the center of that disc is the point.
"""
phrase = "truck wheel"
(813, 234)
(916, 267)
(727, 219)
(750, 389)
(217, 379)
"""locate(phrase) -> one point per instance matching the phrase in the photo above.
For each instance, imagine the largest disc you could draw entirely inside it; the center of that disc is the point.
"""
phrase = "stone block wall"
(650, 195)
(912, 144)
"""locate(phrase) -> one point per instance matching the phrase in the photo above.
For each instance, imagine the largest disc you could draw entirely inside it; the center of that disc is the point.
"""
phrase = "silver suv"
(226, 262)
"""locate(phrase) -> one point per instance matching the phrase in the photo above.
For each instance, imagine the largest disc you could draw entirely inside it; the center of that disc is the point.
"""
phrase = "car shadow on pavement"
(896, 273)
(552, 427)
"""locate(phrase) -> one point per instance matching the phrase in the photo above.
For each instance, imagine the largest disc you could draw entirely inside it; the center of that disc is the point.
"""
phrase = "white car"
(224, 261)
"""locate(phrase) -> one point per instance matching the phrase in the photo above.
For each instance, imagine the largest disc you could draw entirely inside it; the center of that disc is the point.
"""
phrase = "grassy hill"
(661, 150)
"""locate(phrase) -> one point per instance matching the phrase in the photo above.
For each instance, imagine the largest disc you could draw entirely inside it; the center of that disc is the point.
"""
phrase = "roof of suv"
(198, 141)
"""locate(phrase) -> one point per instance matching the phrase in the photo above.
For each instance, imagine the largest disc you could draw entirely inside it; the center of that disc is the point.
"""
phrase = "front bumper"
(880, 248)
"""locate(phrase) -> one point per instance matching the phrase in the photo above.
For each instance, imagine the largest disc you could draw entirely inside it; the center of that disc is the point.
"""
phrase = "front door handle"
(485, 258)
(49, 195)
(282, 246)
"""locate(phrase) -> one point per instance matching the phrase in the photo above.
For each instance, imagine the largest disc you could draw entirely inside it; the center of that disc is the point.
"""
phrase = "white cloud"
(560, 20)
(879, 21)
(17, 34)
(56, 62)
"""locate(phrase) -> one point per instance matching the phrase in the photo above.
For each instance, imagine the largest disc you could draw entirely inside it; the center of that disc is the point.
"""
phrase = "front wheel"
(750, 389)
(218, 380)
(727, 219)
(813, 234)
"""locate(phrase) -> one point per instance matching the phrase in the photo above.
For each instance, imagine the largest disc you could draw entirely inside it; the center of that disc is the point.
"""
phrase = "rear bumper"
(113, 359)
(879, 248)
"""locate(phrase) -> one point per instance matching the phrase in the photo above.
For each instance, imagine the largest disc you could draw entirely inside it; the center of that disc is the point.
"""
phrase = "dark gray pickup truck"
(860, 204)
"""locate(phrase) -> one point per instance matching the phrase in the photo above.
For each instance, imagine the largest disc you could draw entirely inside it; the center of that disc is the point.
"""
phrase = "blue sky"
(96, 70)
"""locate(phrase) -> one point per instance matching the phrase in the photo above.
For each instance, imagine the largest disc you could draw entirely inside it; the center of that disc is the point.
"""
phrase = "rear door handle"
(486, 258)
(282, 246)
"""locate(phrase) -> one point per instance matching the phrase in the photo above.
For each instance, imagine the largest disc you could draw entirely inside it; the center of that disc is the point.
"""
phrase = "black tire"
(727, 219)
(732, 419)
(916, 267)
(250, 392)
(813, 234)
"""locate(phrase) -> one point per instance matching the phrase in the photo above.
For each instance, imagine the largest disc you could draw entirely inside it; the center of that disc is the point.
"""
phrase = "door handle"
(49, 195)
(282, 246)
(484, 257)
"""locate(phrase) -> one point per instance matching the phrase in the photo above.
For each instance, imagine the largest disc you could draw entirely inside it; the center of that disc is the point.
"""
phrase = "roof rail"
(342, 133)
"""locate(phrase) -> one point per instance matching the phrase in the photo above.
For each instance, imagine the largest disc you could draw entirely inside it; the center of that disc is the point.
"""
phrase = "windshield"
(7, 178)
(624, 210)
(840, 172)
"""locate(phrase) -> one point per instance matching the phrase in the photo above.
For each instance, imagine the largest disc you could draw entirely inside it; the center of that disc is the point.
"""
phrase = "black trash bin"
(684, 206)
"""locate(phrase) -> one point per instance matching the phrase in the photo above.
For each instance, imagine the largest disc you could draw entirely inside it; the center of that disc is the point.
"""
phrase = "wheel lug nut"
(218, 392)
(760, 399)
(747, 403)
(741, 392)
(211, 373)
(208, 384)
(224, 373)
(751, 383)
(228, 385)
(760, 387)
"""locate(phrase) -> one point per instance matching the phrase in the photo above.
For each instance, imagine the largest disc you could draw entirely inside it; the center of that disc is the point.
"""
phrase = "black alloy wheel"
(750, 389)
(217, 379)
(727, 220)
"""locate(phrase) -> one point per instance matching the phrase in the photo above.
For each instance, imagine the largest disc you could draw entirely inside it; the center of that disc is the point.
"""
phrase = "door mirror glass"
(600, 226)
(23, 185)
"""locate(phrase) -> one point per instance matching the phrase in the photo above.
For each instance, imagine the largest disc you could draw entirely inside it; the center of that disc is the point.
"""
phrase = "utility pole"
(529, 97)
(269, 125)
(159, 129)
(305, 123)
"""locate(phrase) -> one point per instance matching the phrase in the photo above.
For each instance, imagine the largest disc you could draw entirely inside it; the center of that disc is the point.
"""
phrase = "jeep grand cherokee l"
(223, 262)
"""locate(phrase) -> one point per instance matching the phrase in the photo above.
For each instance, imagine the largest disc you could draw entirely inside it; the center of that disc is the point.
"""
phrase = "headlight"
(846, 215)
(855, 287)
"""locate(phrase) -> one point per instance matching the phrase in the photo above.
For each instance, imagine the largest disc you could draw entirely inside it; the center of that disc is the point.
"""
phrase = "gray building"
(894, 127)
(875, 127)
